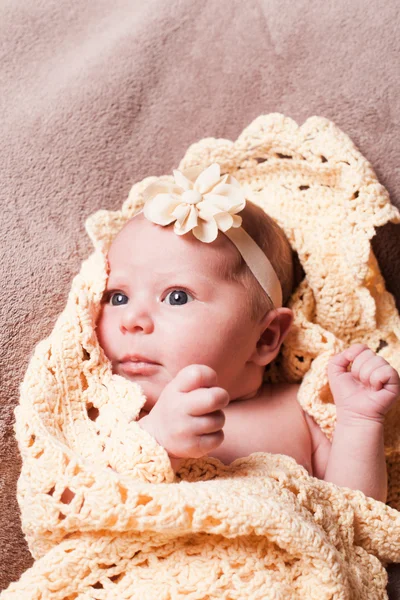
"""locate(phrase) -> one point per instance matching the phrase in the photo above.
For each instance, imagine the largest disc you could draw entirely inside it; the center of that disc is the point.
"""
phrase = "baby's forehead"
(140, 241)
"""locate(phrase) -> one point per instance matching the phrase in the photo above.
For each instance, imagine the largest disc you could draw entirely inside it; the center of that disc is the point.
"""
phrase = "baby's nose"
(136, 320)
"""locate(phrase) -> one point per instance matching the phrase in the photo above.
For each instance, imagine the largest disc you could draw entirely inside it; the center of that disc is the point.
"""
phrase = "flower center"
(191, 197)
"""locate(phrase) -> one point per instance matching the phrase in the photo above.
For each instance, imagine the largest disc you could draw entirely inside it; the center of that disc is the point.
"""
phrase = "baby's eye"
(116, 295)
(178, 297)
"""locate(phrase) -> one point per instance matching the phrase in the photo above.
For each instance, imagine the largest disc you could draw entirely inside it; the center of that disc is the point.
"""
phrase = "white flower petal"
(182, 181)
(220, 203)
(207, 179)
(186, 225)
(207, 231)
(192, 173)
(181, 212)
(207, 210)
(232, 181)
(229, 203)
(160, 208)
(159, 187)
(234, 194)
(237, 221)
(224, 221)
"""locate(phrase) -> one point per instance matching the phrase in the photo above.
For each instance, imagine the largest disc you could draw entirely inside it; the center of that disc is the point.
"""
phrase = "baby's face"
(166, 301)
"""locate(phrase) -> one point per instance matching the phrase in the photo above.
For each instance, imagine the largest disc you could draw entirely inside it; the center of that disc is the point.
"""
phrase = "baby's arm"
(363, 395)
(355, 458)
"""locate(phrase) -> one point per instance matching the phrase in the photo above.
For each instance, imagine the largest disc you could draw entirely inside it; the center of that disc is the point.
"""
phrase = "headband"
(204, 206)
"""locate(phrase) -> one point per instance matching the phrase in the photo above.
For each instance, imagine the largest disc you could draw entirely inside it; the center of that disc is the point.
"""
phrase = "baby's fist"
(188, 418)
(363, 384)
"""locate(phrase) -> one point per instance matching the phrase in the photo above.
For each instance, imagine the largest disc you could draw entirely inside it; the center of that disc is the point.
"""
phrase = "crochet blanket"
(258, 528)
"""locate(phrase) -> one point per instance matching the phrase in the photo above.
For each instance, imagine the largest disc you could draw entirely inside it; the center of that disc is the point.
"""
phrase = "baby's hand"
(368, 389)
(187, 419)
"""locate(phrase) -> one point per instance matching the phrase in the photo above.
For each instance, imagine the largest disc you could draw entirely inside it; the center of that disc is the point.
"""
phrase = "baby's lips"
(139, 368)
(136, 357)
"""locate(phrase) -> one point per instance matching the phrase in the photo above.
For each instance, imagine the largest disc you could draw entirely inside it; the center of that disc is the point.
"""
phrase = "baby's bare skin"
(184, 332)
(273, 421)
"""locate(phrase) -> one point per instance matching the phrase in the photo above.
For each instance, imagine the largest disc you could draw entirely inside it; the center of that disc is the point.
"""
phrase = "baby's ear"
(273, 329)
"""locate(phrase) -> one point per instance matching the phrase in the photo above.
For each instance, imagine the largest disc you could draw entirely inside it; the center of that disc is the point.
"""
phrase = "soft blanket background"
(96, 95)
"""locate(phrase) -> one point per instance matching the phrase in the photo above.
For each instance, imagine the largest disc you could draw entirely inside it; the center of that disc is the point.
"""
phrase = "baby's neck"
(250, 395)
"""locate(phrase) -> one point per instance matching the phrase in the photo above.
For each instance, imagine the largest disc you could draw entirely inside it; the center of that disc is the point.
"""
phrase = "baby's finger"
(208, 423)
(208, 442)
(384, 376)
(204, 401)
(193, 377)
(363, 371)
(354, 351)
(361, 359)
(339, 363)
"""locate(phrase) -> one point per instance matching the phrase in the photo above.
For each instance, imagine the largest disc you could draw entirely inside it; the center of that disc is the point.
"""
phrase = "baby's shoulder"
(283, 401)
(320, 446)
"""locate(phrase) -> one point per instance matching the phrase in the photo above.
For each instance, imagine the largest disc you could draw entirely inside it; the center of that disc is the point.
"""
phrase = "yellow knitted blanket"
(261, 527)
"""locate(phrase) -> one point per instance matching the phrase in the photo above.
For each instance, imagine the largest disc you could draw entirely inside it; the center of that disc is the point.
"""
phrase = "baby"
(194, 311)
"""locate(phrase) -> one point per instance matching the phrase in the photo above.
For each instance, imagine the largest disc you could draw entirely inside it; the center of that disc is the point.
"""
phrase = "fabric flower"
(205, 205)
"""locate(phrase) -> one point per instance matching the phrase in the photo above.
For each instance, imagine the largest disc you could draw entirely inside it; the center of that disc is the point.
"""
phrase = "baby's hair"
(273, 242)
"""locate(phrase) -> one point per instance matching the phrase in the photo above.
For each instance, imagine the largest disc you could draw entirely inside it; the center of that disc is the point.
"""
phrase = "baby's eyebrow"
(116, 278)
(180, 273)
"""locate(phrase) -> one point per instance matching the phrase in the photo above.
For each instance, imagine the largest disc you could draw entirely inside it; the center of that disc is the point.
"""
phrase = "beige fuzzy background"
(98, 94)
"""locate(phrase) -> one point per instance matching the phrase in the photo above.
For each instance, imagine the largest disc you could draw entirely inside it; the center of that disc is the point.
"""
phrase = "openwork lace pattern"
(102, 511)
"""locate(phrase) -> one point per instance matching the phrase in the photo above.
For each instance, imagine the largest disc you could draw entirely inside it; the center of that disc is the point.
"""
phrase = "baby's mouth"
(138, 367)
